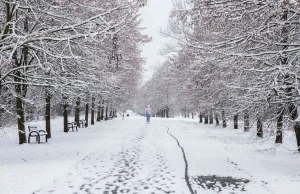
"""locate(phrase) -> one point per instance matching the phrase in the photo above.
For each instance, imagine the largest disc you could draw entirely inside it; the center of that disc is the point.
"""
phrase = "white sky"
(154, 15)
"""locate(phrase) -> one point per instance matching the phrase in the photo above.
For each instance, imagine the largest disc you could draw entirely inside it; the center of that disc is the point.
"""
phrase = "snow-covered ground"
(129, 156)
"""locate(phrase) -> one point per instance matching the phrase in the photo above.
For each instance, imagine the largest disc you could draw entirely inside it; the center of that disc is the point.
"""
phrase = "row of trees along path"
(54, 54)
(232, 59)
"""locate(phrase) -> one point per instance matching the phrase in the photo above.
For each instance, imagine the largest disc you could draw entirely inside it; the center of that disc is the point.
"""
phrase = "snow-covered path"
(132, 157)
(139, 159)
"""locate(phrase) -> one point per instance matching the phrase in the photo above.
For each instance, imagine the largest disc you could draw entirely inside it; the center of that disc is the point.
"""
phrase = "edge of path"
(186, 173)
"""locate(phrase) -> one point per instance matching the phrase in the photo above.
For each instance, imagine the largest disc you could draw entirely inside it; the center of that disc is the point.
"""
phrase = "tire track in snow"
(186, 173)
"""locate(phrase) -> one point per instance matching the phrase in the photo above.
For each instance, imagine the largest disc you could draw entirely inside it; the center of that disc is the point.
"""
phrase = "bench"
(72, 125)
(82, 123)
(35, 132)
(110, 117)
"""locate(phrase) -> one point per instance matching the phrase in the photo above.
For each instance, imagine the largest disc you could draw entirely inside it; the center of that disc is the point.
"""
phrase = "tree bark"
(1, 109)
(106, 113)
(93, 111)
(206, 119)
(20, 89)
(211, 118)
(167, 112)
(224, 119)
(246, 120)
(297, 132)
(99, 112)
(259, 128)
(235, 120)
(48, 114)
(21, 121)
(102, 111)
(279, 128)
(77, 111)
(87, 114)
(200, 118)
(217, 119)
(65, 116)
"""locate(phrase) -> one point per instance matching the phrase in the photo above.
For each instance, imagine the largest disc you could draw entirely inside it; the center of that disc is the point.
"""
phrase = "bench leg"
(39, 138)
(28, 139)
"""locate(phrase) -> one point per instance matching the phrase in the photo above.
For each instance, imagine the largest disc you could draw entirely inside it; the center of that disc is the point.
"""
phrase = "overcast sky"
(154, 15)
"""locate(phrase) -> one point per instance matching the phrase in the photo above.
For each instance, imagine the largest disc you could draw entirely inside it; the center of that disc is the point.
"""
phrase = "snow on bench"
(72, 125)
(37, 133)
(82, 123)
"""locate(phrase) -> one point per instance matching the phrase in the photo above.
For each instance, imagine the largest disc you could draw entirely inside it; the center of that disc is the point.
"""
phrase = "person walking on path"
(148, 112)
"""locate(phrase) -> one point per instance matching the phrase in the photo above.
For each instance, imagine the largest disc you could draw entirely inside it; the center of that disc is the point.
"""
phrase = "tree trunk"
(102, 112)
(1, 109)
(259, 128)
(217, 119)
(192, 115)
(167, 112)
(235, 121)
(93, 112)
(21, 90)
(106, 113)
(224, 119)
(87, 114)
(200, 118)
(99, 112)
(279, 128)
(77, 111)
(206, 119)
(65, 117)
(184, 113)
(48, 114)
(21, 121)
(211, 118)
(297, 132)
(246, 120)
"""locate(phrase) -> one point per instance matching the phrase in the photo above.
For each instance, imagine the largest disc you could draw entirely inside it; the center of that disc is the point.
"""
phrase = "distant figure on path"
(148, 112)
